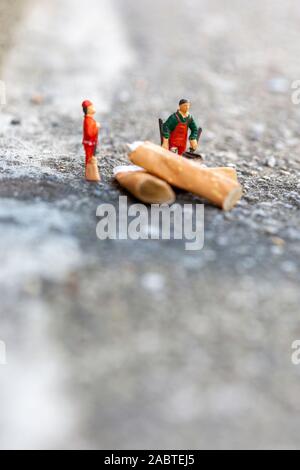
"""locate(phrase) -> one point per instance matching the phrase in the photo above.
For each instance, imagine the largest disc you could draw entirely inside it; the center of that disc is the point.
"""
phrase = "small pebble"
(271, 162)
(153, 282)
(15, 122)
(278, 241)
(37, 99)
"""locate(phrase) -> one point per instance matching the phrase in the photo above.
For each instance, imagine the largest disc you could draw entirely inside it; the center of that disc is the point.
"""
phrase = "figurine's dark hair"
(85, 109)
(183, 101)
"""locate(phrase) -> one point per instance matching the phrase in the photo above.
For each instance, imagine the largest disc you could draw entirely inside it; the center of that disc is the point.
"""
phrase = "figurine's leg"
(181, 150)
(91, 170)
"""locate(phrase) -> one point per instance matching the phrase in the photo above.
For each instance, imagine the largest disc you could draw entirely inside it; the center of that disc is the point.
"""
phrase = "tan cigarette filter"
(225, 171)
(144, 186)
(214, 186)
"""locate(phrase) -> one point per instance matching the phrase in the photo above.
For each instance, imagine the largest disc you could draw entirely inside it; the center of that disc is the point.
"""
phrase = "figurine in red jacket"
(90, 141)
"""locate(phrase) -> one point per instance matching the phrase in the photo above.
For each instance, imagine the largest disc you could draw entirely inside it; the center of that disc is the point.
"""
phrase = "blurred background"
(140, 344)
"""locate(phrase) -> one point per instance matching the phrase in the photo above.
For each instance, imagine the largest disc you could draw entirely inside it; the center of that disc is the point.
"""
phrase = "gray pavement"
(123, 344)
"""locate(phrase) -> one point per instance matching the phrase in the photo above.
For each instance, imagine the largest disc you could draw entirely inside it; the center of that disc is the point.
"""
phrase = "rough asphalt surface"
(123, 344)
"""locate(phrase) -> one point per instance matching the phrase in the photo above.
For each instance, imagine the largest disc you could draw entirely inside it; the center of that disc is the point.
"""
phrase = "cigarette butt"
(227, 172)
(144, 186)
(214, 186)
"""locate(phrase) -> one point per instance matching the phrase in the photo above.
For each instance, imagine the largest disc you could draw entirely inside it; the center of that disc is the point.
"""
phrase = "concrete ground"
(125, 344)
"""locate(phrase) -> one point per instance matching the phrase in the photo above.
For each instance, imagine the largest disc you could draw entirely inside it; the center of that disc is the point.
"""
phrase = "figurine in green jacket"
(176, 130)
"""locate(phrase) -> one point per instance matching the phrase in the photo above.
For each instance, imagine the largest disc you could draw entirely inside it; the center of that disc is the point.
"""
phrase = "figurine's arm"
(165, 143)
(194, 134)
(168, 127)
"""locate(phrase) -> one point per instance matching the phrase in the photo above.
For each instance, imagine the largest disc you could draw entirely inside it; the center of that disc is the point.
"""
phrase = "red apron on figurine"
(179, 137)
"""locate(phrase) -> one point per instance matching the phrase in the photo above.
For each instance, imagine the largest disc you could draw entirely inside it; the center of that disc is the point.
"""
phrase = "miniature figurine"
(174, 132)
(90, 141)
